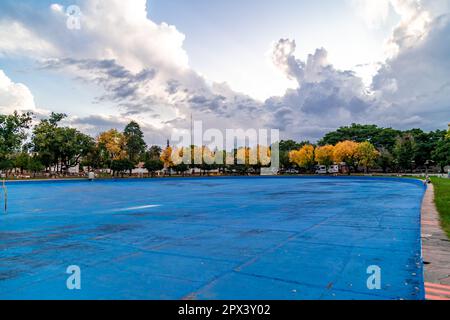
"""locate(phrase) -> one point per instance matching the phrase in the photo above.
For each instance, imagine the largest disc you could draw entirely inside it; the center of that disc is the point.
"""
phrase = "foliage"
(379, 137)
(153, 165)
(441, 155)
(304, 157)
(121, 166)
(385, 159)
(404, 152)
(154, 153)
(346, 151)
(425, 143)
(286, 146)
(6, 164)
(93, 159)
(181, 168)
(61, 147)
(112, 144)
(366, 155)
(57, 147)
(35, 165)
(135, 144)
(166, 157)
(324, 155)
(13, 132)
(290, 145)
(21, 161)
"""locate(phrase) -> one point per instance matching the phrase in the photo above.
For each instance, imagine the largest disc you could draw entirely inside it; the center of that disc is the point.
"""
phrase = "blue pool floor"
(218, 238)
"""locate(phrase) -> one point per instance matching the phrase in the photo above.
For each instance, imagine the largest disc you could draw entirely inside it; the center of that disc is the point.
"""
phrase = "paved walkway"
(436, 251)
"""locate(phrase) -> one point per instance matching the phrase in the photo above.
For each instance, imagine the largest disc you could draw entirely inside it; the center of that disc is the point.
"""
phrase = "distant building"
(139, 169)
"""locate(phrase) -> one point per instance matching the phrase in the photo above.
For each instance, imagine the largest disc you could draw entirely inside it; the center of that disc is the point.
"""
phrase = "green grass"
(442, 200)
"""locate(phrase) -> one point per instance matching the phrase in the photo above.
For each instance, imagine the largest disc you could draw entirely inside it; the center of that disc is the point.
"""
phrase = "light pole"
(427, 163)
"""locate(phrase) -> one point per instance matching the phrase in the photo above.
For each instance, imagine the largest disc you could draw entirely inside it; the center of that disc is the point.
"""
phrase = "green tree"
(355, 132)
(61, 147)
(135, 144)
(425, 144)
(22, 161)
(385, 160)
(35, 165)
(13, 132)
(6, 165)
(181, 168)
(121, 166)
(74, 145)
(154, 165)
(441, 155)
(290, 145)
(154, 153)
(404, 152)
(93, 159)
(379, 137)
(386, 138)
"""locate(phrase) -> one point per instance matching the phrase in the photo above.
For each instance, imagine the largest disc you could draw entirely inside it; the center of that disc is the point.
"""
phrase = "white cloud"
(417, 80)
(57, 8)
(143, 68)
(14, 96)
(18, 39)
(116, 47)
(373, 12)
(119, 30)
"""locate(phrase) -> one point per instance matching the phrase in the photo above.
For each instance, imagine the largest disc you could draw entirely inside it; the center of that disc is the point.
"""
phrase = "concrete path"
(436, 251)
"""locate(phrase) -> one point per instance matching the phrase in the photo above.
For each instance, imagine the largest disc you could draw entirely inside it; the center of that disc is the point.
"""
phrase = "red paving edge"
(435, 251)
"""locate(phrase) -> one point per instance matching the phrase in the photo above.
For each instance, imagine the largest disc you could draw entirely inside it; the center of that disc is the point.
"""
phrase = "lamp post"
(427, 163)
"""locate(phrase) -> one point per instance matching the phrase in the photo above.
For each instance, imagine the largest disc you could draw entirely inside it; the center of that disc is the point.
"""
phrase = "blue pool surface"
(213, 238)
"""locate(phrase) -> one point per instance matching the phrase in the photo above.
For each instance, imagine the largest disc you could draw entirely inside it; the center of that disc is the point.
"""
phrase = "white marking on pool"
(138, 208)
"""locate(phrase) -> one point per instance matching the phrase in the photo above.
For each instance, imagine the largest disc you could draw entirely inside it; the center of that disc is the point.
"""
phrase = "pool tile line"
(237, 269)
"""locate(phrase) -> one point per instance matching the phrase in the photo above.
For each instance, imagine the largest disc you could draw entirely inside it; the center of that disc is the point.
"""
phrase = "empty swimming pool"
(213, 238)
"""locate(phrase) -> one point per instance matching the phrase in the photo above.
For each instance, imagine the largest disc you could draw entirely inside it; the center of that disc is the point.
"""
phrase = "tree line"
(370, 146)
(48, 146)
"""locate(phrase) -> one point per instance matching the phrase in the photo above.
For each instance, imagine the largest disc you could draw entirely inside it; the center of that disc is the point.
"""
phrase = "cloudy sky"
(304, 67)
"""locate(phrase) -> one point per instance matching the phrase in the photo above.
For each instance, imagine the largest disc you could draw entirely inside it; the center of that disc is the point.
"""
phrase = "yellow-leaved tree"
(264, 155)
(243, 156)
(304, 157)
(325, 155)
(113, 143)
(345, 151)
(180, 155)
(166, 157)
(366, 155)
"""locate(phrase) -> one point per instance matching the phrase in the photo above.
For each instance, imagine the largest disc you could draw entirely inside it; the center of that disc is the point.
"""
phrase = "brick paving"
(436, 251)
